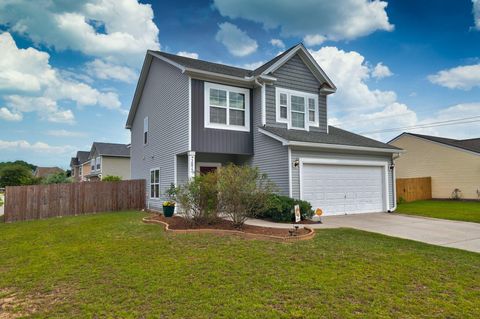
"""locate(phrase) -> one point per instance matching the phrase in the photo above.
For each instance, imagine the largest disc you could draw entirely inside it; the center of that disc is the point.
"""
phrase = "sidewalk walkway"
(447, 233)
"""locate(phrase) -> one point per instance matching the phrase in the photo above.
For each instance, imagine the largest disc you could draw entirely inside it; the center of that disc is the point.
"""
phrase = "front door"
(207, 169)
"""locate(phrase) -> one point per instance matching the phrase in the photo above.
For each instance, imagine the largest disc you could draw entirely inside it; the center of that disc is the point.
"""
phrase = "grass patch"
(113, 265)
(467, 211)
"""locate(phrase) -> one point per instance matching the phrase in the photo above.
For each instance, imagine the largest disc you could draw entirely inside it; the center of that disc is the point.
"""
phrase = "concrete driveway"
(439, 232)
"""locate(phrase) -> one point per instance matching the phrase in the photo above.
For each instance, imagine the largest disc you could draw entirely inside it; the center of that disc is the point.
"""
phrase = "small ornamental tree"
(242, 190)
(198, 198)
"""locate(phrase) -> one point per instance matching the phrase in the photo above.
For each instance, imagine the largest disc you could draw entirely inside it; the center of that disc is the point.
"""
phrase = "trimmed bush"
(111, 178)
(281, 209)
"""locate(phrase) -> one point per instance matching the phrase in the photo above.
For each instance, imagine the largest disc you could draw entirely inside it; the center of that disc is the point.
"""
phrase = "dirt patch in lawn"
(14, 305)
(221, 226)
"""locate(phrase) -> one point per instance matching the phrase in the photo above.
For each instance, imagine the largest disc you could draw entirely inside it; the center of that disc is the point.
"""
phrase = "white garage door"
(342, 189)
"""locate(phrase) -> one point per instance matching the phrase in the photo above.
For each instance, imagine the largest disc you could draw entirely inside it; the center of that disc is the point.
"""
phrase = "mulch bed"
(179, 223)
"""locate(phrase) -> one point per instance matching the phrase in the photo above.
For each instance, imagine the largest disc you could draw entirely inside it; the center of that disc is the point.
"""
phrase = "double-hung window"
(92, 164)
(227, 107)
(298, 109)
(99, 162)
(155, 183)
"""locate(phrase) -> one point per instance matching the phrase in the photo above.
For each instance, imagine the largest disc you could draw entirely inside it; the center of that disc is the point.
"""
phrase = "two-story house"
(108, 159)
(77, 164)
(190, 116)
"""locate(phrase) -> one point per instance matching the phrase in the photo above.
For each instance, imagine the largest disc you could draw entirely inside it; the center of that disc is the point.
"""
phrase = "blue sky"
(68, 70)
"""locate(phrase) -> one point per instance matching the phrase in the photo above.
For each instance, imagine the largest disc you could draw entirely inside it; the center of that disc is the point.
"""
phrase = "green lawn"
(446, 209)
(112, 265)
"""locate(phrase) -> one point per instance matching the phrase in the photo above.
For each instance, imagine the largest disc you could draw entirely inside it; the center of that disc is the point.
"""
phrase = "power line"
(465, 120)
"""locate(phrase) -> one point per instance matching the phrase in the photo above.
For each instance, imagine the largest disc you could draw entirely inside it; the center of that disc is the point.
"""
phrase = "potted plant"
(168, 208)
(169, 205)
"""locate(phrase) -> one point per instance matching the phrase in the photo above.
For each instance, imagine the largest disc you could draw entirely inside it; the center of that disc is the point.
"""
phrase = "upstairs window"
(92, 164)
(312, 111)
(283, 106)
(145, 130)
(299, 110)
(227, 107)
(98, 161)
(155, 183)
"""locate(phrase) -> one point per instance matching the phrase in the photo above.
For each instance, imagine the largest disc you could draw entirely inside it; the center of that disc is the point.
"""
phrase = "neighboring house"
(450, 163)
(108, 159)
(76, 165)
(46, 171)
(190, 116)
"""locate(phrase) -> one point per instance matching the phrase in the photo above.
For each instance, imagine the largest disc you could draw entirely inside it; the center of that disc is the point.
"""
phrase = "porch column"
(191, 164)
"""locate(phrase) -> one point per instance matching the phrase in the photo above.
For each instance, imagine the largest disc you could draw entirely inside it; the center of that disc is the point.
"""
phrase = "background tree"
(57, 178)
(15, 175)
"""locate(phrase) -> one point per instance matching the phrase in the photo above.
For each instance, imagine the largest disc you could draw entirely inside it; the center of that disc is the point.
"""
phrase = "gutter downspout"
(394, 182)
(262, 98)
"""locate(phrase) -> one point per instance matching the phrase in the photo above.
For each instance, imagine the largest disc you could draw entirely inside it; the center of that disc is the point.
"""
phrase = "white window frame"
(98, 163)
(288, 120)
(150, 183)
(92, 165)
(246, 92)
(145, 130)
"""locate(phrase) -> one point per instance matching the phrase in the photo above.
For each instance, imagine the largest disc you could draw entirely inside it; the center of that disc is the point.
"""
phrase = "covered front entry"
(340, 187)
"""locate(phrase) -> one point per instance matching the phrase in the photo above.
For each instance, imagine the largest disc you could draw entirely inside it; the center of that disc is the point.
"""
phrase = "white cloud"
(476, 13)
(277, 43)
(381, 71)
(237, 41)
(114, 30)
(253, 65)
(108, 71)
(186, 54)
(462, 77)
(355, 106)
(7, 115)
(334, 20)
(27, 71)
(38, 147)
(65, 133)
(312, 40)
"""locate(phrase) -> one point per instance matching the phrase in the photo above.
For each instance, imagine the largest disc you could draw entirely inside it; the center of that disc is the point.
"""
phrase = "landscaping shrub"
(111, 178)
(242, 190)
(281, 209)
(198, 198)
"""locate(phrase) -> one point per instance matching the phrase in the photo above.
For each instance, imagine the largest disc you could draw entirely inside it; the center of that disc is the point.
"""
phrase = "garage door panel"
(340, 189)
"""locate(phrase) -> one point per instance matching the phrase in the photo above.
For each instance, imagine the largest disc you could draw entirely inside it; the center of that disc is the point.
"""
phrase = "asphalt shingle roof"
(472, 144)
(334, 136)
(205, 65)
(111, 149)
(220, 68)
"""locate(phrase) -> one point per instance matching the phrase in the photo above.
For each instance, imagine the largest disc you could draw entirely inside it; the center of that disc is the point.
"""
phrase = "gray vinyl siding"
(298, 153)
(182, 169)
(295, 75)
(270, 156)
(215, 140)
(165, 101)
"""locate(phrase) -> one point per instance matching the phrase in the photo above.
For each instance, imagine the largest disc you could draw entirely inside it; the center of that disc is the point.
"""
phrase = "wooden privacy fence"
(44, 201)
(411, 189)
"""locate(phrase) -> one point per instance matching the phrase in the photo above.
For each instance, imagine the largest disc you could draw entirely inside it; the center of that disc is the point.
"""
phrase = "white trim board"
(347, 162)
